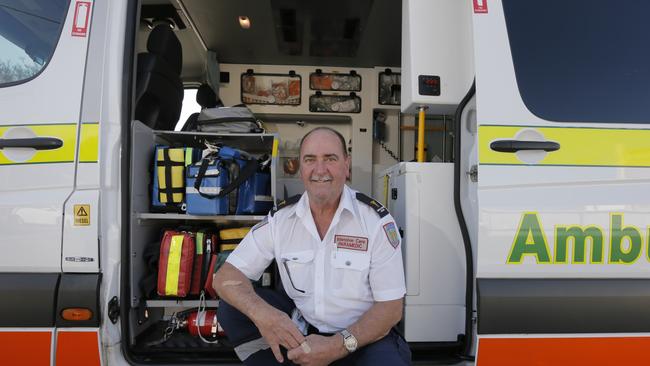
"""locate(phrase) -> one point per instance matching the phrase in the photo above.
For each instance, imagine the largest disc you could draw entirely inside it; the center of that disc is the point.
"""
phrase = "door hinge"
(114, 309)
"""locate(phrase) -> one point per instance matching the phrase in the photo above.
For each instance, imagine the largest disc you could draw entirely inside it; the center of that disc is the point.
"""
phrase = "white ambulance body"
(526, 235)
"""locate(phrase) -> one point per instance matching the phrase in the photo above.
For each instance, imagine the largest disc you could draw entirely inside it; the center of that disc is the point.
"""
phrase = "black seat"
(159, 90)
(206, 98)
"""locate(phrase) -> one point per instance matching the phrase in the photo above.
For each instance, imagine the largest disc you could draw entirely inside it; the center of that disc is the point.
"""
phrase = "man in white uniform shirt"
(339, 258)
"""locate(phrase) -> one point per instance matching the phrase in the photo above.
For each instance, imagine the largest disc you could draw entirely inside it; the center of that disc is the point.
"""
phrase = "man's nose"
(320, 166)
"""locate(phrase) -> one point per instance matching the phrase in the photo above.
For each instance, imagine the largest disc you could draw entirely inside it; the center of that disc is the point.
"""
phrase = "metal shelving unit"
(170, 303)
(219, 219)
(146, 226)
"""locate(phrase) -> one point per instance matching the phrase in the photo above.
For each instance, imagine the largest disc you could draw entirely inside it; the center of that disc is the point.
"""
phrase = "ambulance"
(510, 140)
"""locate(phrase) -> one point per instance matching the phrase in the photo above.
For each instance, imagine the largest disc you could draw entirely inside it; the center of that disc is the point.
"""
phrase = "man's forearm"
(236, 289)
(375, 323)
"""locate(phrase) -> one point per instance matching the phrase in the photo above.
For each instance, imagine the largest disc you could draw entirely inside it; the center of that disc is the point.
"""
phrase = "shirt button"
(347, 263)
(295, 258)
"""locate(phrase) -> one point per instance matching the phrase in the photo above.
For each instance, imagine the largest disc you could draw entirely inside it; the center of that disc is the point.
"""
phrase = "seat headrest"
(206, 97)
(163, 42)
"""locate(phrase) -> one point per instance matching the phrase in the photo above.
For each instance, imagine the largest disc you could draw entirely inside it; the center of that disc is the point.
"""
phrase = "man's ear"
(348, 163)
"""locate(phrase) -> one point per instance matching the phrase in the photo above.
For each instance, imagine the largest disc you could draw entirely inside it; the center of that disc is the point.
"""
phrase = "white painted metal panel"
(32, 194)
(433, 248)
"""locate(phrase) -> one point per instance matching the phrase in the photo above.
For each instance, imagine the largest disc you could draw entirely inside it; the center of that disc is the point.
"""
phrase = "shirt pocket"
(349, 274)
(298, 272)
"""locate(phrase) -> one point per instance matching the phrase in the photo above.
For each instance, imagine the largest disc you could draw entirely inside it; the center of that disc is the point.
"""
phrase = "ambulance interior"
(380, 43)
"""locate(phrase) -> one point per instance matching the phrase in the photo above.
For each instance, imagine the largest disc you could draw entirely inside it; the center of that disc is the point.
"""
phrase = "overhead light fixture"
(244, 22)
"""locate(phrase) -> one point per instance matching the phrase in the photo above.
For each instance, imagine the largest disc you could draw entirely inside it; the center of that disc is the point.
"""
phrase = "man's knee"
(238, 327)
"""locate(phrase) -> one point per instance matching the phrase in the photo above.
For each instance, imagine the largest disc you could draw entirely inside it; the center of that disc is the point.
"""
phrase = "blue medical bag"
(206, 199)
(254, 196)
(228, 182)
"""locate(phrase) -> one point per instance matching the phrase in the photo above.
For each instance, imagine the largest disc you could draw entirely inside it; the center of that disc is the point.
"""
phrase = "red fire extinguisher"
(202, 324)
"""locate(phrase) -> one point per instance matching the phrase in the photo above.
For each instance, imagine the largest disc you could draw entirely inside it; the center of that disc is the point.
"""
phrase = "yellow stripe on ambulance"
(67, 133)
(579, 146)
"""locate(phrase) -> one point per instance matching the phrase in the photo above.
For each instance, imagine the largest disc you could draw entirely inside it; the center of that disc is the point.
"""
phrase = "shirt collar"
(346, 203)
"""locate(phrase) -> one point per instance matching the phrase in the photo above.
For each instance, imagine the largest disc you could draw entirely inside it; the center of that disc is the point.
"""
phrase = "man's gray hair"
(335, 132)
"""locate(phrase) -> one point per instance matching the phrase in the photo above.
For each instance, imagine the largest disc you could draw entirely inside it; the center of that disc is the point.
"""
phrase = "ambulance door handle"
(38, 143)
(512, 146)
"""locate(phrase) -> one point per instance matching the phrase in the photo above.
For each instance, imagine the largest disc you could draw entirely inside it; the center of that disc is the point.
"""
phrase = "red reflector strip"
(26, 348)
(74, 348)
(562, 351)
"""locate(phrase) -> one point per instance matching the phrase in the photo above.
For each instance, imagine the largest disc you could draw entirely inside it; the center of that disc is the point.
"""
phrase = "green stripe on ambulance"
(625, 243)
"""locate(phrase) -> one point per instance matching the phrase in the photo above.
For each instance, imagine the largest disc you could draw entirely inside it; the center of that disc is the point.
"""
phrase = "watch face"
(351, 343)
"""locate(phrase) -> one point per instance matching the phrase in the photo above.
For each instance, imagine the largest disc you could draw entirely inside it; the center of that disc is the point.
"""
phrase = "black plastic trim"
(28, 299)
(536, 306)
(38, 143)
(467, 244)
(127, 113)
(79, 290)
(512, 146)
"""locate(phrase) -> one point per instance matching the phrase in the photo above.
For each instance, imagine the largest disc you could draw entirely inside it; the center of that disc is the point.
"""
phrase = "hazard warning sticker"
(81, 215)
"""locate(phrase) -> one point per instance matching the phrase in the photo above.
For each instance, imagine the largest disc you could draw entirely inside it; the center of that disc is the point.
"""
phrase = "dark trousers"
(391, 350)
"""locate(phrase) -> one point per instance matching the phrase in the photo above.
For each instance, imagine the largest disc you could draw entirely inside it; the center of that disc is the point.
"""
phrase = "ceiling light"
(244, 22)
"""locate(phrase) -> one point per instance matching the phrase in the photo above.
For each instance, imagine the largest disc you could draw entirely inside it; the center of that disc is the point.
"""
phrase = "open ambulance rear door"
(564, 181)
(48, 234)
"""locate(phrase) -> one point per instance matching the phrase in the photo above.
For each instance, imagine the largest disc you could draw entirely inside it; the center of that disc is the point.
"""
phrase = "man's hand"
(277, 329)
(318, 350)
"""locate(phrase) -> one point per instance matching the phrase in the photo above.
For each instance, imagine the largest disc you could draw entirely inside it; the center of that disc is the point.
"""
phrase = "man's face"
(323, 166)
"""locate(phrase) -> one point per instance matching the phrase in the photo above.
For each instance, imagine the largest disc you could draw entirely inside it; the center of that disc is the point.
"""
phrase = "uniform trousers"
(253, 351)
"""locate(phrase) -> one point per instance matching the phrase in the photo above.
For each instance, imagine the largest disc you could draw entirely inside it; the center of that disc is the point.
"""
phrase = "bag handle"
(250, 169)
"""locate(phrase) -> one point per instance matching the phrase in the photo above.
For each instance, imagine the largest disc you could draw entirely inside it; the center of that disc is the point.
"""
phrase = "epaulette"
(284, 203)
(378, 207)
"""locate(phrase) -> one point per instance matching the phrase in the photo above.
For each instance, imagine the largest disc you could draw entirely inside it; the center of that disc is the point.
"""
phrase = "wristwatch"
(349, 341)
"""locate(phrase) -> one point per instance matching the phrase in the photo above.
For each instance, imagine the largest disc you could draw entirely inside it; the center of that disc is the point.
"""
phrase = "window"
(582, 61)
(189, 106)
(29, 31)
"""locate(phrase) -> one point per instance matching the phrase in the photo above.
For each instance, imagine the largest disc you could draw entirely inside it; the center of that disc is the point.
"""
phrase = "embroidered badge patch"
(351, 242)
(391, 234)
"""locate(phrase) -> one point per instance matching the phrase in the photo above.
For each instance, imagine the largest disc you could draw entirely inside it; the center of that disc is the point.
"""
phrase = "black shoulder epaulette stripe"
(284, 203)
(378, 207)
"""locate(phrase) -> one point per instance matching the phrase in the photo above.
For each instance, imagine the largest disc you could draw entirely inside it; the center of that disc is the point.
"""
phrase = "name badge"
(351, 242)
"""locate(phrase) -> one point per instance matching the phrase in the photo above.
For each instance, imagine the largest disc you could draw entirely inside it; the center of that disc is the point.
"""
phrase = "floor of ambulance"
(191, 349)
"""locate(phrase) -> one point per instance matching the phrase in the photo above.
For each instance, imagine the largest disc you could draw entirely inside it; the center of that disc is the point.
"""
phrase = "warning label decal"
(81, 215)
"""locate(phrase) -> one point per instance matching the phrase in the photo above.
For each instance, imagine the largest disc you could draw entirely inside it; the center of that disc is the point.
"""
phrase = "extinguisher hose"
(202, 314)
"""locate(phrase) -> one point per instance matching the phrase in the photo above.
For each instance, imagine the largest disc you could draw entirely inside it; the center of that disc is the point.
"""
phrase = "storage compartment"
(154, 334)
(432, 250)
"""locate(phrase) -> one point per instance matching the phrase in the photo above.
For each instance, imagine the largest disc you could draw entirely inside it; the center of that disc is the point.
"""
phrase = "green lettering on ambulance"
(578, 236)
(529, 240)
(618, 254)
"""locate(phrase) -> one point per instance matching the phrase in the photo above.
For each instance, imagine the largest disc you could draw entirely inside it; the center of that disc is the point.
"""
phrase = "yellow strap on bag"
(174, 265)
(232, 234)
(223, 247)
(171, 163)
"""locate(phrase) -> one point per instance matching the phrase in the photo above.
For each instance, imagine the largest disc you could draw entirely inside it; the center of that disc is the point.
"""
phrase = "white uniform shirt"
(335, 280)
